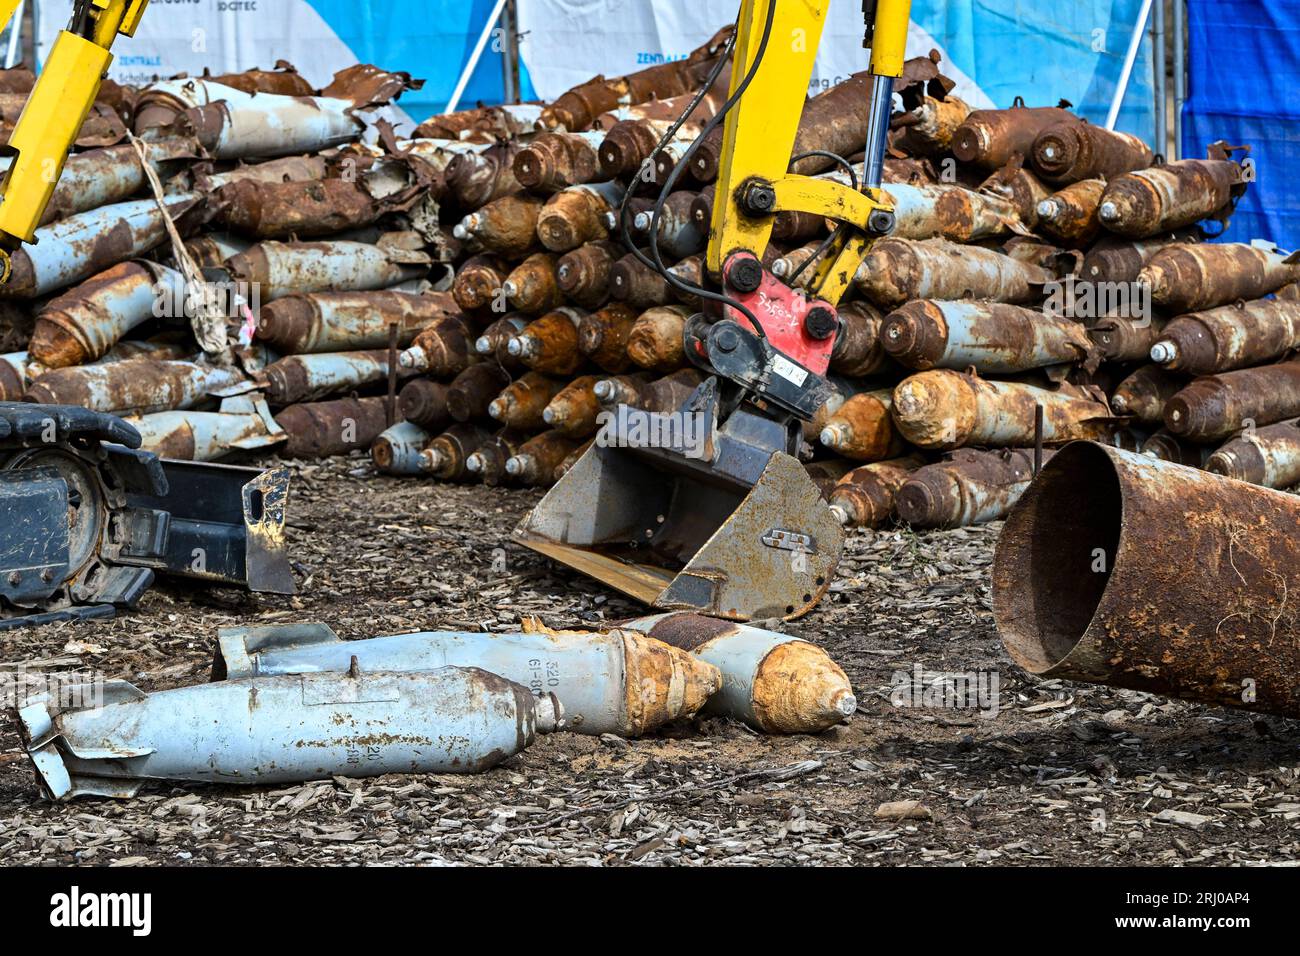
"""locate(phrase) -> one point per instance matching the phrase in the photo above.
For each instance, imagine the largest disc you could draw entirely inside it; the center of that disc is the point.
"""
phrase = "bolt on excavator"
(733, 526)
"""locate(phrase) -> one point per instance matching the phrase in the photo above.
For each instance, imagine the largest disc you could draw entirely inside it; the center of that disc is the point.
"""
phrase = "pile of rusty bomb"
(458, 299)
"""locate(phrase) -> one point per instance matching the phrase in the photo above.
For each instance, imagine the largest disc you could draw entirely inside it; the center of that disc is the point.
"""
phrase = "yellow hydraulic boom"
(55, 111)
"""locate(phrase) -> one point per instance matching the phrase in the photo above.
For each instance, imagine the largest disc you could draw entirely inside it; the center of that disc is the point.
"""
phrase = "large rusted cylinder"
(305, 378)
(1121, 570)
(656, 341)
(472, 392)
(577, 215)
(555, 161)
(1069, 152)
(324, 429)
(344, 321)
(1070, 216)
(475, 179)
(1230, 337)
(1268, 456)
(488, 464)
(858, 349)
(550, 344)
(1214, 407)
(283, 268)
(533, 285)
(943, 409)
(1180, 194)
(1019, 187)
(1188, 278)
(84, 323)
(423, 402)
(445, 457)
(445, 346)
(1166, 446)
(478, 282)
(862, 428)
(603, 336)
(1144, 394)
(991, 337)
(970, 488)
(899, 270)
(864, 497)
(1115, 259)
(1126, 340)
(989, 138)
(506, 226)
(523, 403)
(305, 210)
(583, 274)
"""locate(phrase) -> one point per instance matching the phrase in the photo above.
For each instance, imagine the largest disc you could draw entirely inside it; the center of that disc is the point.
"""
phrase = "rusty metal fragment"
(1071, 151)
(943, 409)
(473, 391)
(775, 683)
(1189, 278)
(522, 404)
(488, 123)
(899, 270)
(13, 376)
(286, 169)
(1143, 395)
(296, 209)
(1173, 196)
(969, 488)
(285, 268)
(1216, 406)
(1083, 590)
(283, 80)
(326, 429)
(865, 496)
(991, 337)
(444, 457)
(628, 144)
(423, 402)
(537, 459)
(138, 386)
(990, 138)
(1268, 456)
(550, 344)
(243, 424)
(345, 321)
(967, 216)
(85, 322)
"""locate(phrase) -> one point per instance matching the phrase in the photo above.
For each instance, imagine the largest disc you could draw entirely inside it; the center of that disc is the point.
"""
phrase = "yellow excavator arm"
(753, 182)
(55, 112)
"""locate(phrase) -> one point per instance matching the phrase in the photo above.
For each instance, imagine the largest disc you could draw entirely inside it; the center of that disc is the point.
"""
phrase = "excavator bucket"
(731, 529)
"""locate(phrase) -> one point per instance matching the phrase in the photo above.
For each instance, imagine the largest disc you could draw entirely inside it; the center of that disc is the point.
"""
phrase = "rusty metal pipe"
(1083, 590)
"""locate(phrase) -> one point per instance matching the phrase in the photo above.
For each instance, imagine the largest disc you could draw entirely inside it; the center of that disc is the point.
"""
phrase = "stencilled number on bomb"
(544, 675)
(353, 757)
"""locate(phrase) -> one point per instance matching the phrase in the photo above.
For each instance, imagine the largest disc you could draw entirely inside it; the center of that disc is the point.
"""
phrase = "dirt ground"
(1063, 773)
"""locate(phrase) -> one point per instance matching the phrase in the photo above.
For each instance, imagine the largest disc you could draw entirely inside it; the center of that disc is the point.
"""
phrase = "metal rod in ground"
(390, 409)
(1038, 439)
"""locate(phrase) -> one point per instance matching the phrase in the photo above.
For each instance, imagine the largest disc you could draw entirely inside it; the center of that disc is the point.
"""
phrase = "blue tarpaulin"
(1244, 87)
